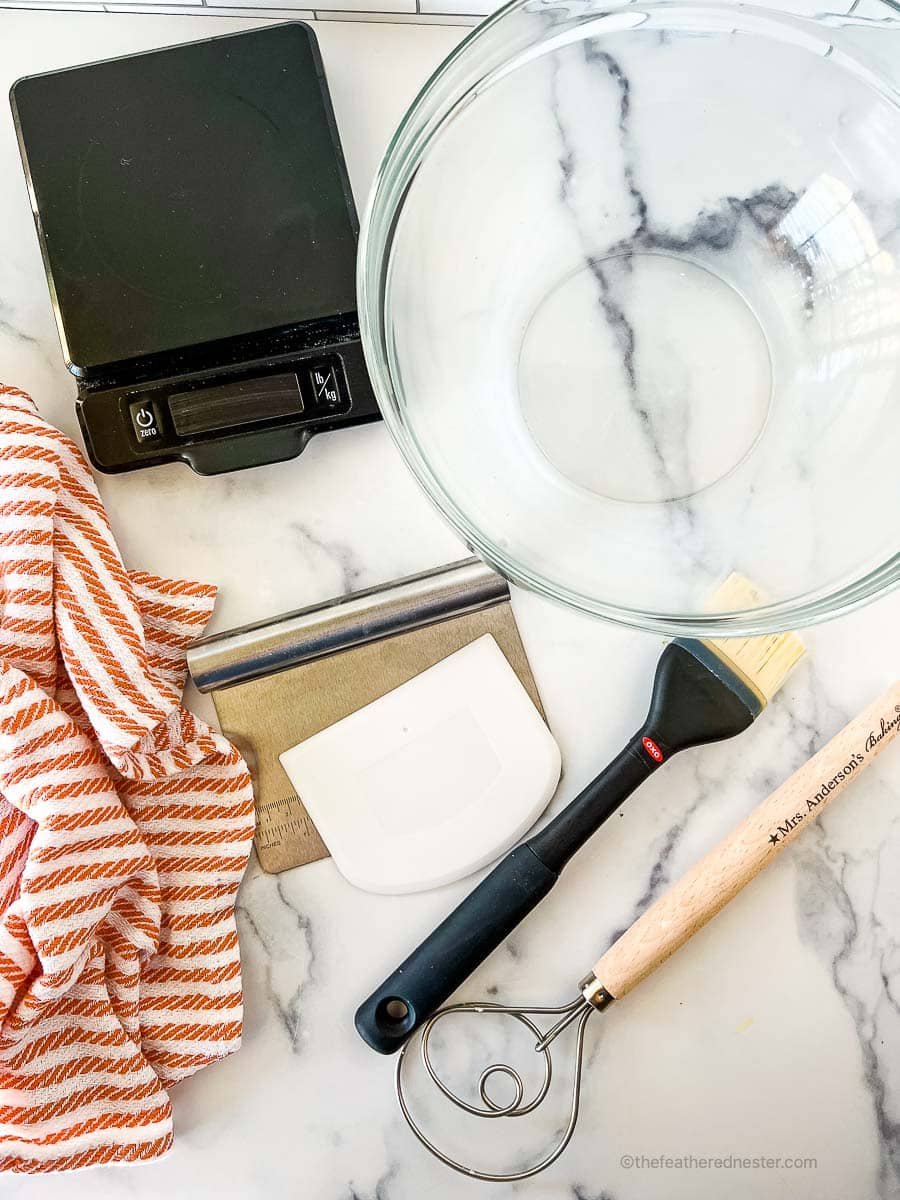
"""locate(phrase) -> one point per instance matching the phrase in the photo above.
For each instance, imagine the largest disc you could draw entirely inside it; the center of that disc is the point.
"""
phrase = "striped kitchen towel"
(125, 826)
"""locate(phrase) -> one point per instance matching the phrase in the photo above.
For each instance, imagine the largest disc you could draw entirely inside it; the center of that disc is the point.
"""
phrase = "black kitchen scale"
(199, 237)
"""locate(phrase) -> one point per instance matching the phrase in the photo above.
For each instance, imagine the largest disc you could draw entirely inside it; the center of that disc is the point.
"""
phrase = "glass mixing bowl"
(630, 294)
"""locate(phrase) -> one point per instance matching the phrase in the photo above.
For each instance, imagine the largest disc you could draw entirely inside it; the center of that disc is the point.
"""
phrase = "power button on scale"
(145, 422)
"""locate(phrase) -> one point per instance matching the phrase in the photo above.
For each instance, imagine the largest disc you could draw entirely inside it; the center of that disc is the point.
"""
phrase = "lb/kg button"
(145, 422)
(325, 389)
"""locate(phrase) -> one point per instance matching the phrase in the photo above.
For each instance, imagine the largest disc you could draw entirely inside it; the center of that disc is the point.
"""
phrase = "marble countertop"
(774, 1035)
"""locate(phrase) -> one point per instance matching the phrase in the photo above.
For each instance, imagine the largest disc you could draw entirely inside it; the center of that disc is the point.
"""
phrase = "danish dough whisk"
(661, 930)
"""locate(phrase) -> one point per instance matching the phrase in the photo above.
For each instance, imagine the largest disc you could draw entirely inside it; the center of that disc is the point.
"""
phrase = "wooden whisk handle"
(728, 867)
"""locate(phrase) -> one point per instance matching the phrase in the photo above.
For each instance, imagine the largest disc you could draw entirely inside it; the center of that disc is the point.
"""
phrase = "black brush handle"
(695, 700)
(451, 953)
(487, 916)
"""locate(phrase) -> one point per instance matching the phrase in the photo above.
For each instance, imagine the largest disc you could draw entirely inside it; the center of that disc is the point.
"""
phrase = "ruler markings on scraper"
(273, 823)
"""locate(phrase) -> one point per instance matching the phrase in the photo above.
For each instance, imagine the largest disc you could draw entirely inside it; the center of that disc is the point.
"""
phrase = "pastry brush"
(703, 691)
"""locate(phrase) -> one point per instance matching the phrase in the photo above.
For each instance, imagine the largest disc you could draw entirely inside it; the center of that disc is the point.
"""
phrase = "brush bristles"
(765, 661)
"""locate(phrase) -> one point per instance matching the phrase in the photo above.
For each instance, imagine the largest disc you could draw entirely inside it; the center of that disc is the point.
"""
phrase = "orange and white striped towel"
(125, 826)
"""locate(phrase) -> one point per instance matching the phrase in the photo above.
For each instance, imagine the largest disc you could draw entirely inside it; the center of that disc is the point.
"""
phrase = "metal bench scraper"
(280, 681)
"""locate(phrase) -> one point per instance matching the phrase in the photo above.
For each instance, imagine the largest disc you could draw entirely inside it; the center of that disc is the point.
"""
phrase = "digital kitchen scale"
(199, 237)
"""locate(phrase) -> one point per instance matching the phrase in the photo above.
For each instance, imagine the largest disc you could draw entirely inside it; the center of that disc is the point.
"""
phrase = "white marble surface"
(775, 1033)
